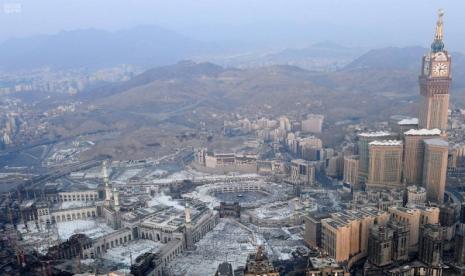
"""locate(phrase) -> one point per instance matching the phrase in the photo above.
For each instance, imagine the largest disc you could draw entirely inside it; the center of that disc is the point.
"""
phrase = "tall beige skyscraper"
(350, 175)
(364, 140)
(385, 164)
(414, 153)
(435, 169)
(435, 79)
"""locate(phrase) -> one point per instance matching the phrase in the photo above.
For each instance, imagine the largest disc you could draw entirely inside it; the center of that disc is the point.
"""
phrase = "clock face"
(440, 69)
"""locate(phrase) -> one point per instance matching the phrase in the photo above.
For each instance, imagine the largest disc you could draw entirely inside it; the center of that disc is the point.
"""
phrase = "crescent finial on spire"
(439, 26)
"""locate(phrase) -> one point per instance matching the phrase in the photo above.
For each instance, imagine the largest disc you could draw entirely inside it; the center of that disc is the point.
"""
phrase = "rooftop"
(423, 132)
(91, 228)
(123, 254)
(375, 134)
(416, 189)
(437, 142)
(409, 121)
(386, 143)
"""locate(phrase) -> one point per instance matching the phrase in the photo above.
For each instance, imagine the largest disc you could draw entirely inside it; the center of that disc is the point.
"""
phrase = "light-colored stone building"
(435, 169)
(415, 216)
(364, 140)
(414, 153)
(385, 164)
(351, 170)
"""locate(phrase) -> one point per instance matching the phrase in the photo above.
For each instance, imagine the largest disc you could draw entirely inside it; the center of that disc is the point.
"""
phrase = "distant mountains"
(322, 56)
(146, 45)
(406, 59)
(169, 101)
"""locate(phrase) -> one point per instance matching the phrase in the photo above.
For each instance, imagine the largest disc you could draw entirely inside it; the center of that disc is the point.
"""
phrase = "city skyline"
(321, 161)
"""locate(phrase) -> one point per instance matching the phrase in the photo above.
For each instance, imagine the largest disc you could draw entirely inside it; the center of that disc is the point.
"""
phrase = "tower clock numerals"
(440, 69)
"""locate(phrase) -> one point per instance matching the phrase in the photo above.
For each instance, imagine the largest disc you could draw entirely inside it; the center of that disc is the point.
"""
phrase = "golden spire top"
(439, 26)
(438, 44)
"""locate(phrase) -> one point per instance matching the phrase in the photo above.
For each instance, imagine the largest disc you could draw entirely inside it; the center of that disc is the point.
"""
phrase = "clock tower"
(435, 79)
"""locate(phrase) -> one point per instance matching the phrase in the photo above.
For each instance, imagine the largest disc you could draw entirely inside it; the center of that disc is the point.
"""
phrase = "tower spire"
(438, 44)
(439, 26)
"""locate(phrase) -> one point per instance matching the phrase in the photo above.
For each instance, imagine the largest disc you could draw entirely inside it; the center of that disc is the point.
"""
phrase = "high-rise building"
(414, 153)
(380, 245)
(459, 250)
(312, 234)
(407, 124)
(385, 164)
(302, 172)
(435, 80)
(351, 169)
(344, 236)
(430, 245)
(313, 123)
(435, 169)
(415, 195)
(335, 166)
(400, 240)
(364, 140)
(415, 217)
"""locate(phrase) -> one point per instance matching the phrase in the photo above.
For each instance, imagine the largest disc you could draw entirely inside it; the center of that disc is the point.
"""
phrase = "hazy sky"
(355, 22)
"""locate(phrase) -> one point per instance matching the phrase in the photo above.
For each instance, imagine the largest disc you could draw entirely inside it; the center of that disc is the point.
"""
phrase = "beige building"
(416, 195)
(435, 169)
(414, 153)
(415, 217)
(313, 123)
(302, 172)
(385, 164)
(351, 168)
(407, 124)
(344, 236)
(364, 140)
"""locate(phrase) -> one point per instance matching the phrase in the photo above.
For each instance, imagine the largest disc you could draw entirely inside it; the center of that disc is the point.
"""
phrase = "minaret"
(187, 222)
(106, 182)
(435, 80)
(187, 213)
(116, 199)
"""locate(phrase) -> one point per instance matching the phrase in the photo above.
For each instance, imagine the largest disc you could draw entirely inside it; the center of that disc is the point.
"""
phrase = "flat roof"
(386, 143)
(423, 132)
(409, 121)
(437, 142)
(375, 134)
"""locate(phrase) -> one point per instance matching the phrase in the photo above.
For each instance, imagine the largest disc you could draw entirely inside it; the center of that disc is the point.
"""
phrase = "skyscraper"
(435, 79)
(364, 140)
(414, 153)
(351, 170)
(430, 245)
(380, 245)
(435, 169)
(385, 164)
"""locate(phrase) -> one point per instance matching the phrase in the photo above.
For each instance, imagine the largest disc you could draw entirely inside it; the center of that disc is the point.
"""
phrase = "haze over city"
(238, 138)
(253, 23)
